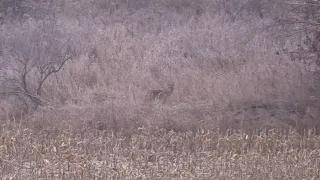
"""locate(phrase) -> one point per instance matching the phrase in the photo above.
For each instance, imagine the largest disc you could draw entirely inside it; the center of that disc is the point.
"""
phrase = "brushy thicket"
(226, 59)
(74, 76)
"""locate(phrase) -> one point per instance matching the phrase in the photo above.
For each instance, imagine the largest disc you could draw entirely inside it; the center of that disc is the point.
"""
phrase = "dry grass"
(221, 67)
(229, 73)
(156, 154)
(160, 95)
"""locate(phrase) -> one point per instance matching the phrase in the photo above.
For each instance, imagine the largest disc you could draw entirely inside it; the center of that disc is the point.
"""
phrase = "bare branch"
(33, 57)
(46, 74)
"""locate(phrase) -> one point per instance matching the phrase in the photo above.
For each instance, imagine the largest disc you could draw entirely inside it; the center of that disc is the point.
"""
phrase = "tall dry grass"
(222, 67)
(156, 154)
(241, 108)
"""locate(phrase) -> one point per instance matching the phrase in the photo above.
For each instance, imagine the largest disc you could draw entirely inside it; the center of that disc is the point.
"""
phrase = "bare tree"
(31, 58)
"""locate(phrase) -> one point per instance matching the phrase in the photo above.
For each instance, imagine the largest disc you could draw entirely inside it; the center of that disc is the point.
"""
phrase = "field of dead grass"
(156, 154)
(231, 71)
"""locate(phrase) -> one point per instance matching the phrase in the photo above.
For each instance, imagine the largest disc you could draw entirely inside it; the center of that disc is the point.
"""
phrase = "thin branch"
(11, 93)
(51, 70)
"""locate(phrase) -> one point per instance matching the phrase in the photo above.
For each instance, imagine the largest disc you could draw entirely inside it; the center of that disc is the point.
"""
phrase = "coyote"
(161, 95)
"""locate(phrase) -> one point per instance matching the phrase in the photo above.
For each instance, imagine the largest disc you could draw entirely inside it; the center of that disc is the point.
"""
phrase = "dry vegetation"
(74, 78)
(157, 154)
